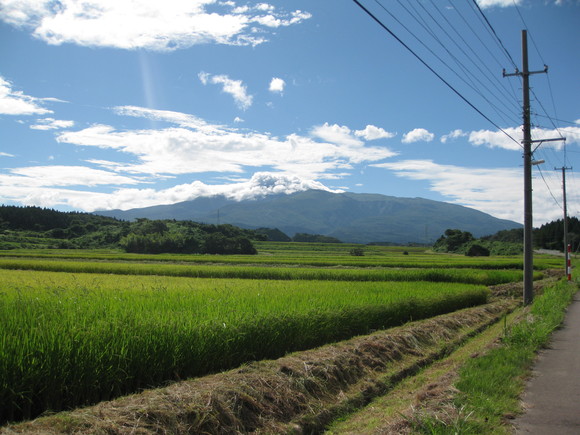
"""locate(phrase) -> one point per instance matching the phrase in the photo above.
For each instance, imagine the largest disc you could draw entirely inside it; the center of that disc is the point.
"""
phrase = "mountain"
(350, 217)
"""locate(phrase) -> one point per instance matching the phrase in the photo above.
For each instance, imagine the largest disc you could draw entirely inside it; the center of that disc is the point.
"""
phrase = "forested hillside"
(36, 227)
(548, 236)
(551, 235)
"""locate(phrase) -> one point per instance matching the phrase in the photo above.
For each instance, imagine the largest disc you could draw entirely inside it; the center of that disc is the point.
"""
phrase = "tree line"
(510, 242)
(36, 226)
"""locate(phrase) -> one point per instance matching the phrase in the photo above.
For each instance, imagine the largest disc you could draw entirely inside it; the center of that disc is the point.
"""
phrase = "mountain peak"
(267, 183)
(350, 217)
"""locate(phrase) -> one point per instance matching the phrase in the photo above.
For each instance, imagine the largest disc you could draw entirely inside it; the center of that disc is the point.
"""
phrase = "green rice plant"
(301, 257)
(69, 340)
(467, 276)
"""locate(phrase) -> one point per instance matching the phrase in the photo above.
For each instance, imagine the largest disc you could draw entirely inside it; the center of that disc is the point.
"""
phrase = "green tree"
(452, 241)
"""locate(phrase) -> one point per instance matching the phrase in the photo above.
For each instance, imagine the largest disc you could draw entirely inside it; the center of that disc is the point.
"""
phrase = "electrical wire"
(475, 55)
(549, 190)
(420, 59)
(469, 78)
(556, 119)
(547, 76)
(508, 55)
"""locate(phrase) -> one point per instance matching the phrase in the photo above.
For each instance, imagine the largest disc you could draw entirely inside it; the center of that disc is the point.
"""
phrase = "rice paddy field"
(78, 327)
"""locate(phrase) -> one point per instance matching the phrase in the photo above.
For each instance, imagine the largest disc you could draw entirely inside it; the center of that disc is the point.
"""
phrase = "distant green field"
(305, 254)
(468, 276)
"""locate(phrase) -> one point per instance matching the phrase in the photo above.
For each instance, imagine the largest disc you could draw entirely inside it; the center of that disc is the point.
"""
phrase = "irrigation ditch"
(305, 392)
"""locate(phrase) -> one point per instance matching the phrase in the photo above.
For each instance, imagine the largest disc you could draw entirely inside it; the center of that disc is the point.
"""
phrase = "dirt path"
(552, 397)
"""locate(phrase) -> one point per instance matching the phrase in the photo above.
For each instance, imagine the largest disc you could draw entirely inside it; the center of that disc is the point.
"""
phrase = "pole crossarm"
(521, 73)
(549, 140)
(541, 141)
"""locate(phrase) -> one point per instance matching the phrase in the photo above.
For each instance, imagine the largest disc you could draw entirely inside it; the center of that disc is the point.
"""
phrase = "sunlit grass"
(468, 276)
(68, 340)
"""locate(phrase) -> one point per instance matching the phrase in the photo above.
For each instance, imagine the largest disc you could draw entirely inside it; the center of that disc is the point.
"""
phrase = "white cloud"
(337, 134)
(277, 85)
(188, 145)
(51, 124)
(179, 118)
(194, 146)
(499, 3)
(498, 192)
(260, 184)
(498, 139)
(373, 133)
(149, 24)
(5, 154)
(455, 134)
(418, 135)
(58, 175)
(235, 88)
(17, 103)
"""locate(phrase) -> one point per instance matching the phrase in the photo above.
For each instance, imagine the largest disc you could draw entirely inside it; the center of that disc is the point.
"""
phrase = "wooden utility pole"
(566, 241)
(527, 145)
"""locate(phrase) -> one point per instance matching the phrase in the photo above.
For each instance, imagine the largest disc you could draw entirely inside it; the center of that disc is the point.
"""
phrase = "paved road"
(552, 397)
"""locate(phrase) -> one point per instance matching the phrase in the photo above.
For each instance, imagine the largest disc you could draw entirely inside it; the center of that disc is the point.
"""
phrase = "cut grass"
(400, 410)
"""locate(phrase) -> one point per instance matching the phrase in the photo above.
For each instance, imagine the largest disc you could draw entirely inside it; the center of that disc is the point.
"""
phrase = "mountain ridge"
(350, 217)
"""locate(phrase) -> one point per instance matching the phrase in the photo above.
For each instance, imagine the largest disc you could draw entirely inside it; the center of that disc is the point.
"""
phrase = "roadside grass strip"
(490, 386)
(68, 340)
(467, 276)
(299, 393)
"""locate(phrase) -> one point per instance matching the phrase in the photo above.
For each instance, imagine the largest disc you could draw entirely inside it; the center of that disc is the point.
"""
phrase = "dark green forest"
(551, 235)
(510, 242)
(36, 227)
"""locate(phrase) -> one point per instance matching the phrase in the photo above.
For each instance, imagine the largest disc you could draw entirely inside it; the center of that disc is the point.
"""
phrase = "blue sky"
(123, 104)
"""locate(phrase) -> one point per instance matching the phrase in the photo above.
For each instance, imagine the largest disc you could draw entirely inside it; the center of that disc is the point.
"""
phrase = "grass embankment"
(68, 340)
(467, 394)
(490, 386)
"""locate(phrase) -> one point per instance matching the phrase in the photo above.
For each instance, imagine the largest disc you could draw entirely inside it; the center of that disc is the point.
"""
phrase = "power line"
(476, 56)
(380, 23)
(548, 186)
(556, 119)
(419, 19)
(547, 76)
(484, 45)
(468, 74)
(495, 34)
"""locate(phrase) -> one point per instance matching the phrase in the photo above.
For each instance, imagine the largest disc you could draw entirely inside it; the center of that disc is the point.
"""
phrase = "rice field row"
(280, 257)
(71, 339)
(468, 276)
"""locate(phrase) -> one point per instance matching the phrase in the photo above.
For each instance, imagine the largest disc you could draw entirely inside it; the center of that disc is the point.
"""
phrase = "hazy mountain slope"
(351, 217)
